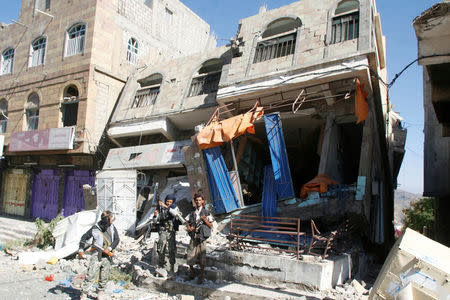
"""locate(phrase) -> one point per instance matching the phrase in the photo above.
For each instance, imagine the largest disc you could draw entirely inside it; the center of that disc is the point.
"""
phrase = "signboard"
(39, 140)
(153, 156)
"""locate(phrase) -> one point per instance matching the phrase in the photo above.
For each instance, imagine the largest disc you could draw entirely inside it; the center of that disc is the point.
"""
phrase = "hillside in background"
(402, 200)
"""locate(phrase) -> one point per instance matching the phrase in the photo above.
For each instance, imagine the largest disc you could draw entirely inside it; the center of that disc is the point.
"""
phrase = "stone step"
(211, 290)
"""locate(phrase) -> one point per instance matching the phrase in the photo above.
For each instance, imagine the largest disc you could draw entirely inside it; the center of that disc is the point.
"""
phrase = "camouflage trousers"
(97, 271)
(166, 243)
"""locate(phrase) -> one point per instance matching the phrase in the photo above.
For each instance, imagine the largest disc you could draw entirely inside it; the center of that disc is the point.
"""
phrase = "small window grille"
(345, 28)
(205, 84)
(145, 97)
(275, 48)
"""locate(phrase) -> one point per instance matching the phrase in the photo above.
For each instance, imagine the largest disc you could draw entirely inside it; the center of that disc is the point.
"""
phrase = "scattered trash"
(118, 291)
(52, 261)
(49, 277)
(66, 283)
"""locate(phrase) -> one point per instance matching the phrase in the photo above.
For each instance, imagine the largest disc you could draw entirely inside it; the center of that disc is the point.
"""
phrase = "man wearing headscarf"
(166, 217)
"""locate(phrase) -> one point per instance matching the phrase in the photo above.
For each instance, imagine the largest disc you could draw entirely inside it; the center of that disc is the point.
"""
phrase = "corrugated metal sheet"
(73, 190)
(116, 191)
(269, 196)
(224, 198)
(44, 199)
(278, 155)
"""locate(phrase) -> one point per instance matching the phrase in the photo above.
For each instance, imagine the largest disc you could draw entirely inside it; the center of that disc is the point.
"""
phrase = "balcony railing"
(204, 84)
(274, 48)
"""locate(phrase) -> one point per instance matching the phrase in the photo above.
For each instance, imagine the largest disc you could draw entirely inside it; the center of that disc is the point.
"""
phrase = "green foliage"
(420, 214)
(44, 235)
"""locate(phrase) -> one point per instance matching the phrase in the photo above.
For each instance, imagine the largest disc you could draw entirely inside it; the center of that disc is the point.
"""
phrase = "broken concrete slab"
(416, 268)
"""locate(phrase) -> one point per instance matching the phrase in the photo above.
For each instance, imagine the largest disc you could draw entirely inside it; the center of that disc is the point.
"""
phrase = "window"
(149, 91)
(7, 61)
(3, 115)
(75, 40)
(345, 23)
(207, 79)
(132, 51)
(70, 106)
(169, 16)
(37, 54)
(43, 4)
(278, 40)
(32, 112)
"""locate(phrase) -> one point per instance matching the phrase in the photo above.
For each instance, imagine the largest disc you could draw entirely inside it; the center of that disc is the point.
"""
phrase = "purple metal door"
(44, 199)
(73, 190)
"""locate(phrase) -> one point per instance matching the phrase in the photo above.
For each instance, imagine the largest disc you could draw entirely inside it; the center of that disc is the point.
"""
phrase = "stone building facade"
(434, 55)
(63, 67)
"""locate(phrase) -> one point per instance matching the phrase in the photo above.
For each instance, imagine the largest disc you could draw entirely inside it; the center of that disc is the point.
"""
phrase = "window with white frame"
(32, 112)
(149, 91)
(132, 50)
(7, 61)
(278, 40)
(37, 52)
(75, 39)
(207, 78)
(70, 106)
(345, 21)
(3, 115)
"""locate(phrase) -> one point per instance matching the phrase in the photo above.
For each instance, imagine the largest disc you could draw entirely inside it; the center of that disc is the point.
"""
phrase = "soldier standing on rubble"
(105, 239)
(166, 217)
(199, 224)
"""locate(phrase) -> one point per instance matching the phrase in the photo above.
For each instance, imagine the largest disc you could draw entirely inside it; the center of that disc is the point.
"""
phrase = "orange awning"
(218, 132)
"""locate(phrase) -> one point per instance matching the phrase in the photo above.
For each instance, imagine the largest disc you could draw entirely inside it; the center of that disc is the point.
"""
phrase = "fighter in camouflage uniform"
(168, 226)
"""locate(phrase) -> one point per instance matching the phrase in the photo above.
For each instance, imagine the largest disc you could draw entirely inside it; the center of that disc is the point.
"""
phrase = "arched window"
(207, 79)
(75, 39)
(148, 92)
(3, 115)
(7, 61)
(70, 106)
(132, 51)
(345, 22)
(278, 39)
(37, 52)
(32, 112)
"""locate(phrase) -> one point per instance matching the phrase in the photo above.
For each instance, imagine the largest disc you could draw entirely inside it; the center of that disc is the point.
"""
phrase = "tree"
(420, 214)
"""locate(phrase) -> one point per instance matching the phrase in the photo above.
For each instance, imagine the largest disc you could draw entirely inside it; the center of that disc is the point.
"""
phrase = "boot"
(172, 269)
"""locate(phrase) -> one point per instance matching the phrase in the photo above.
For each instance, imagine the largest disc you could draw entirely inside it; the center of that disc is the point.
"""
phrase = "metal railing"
(204, 84)
(274, 48)
(145, 97)
(345, 28)
(249, 231)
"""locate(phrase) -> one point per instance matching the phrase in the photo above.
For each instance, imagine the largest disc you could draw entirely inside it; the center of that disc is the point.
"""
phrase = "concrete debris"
(358, 287)
(416, 268)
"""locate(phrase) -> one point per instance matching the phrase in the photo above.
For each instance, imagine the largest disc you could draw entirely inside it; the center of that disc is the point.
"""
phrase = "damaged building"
(63, 66)
(432, 33)
(307, 81)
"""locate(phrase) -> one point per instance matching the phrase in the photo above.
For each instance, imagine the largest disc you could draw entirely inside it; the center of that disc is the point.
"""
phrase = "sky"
(401, 48)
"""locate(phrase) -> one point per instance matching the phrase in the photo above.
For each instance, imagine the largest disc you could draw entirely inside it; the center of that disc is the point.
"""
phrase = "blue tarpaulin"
(278, 155)
(269, 195)
(223, 196)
